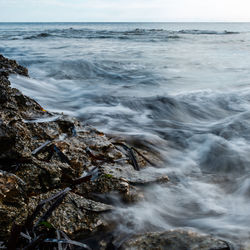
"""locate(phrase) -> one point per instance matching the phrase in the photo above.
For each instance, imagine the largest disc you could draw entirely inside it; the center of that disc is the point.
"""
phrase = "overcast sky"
(124, 10)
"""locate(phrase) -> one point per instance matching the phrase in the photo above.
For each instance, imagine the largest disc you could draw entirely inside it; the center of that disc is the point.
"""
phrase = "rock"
(111, 181)
(125, 171)
(41, 177)
(12, 189)
(8, 66)
(43, 152)
(174, 240)
(12, 202)
(75, 213)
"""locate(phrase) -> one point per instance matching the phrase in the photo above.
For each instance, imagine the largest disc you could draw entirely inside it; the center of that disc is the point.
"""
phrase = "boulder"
(74, 214)
(174, 240)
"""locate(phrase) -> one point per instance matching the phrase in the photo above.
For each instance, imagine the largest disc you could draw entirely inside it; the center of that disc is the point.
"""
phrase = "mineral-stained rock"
(174, 240)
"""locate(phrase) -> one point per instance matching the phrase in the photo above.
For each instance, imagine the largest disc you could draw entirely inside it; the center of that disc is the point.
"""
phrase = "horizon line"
(125, 21)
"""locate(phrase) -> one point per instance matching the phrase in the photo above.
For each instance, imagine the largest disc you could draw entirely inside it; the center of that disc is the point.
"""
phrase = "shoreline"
(61, 164)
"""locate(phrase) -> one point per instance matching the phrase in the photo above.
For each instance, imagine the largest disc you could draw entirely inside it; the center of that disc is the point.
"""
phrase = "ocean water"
(179, 89)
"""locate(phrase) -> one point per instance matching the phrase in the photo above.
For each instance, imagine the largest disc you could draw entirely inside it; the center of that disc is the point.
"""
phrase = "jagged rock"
(12, 202)
(11, 189)
(43, 152)
(41, 177)
(75, 213)
(174, 240)
(8, 66)
(126, 172)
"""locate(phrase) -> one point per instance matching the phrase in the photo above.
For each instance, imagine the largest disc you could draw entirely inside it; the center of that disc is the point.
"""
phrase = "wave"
(38, 36)
(135, 34)
(142, 35)
(207, 32)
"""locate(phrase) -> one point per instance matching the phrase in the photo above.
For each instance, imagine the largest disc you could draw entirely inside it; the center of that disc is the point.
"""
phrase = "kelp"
(51, 148)
(41, 148)
(144, 157)
(37, 234)
(66, 241)
(131, 155)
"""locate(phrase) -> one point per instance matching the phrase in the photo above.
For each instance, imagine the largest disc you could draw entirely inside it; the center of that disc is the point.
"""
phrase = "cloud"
(124, 10)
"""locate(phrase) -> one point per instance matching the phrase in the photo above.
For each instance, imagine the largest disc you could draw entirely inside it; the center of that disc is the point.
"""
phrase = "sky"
(124, 10)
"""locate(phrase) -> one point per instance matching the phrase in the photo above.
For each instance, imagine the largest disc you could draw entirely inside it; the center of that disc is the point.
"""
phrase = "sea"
(181, 90)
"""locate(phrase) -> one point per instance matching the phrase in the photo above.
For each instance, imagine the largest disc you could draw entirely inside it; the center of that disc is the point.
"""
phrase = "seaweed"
(40, 233)
(30, 219)
(131, 154)
(41, 148)
(67, 241)
(61, 155)
(51, 149)
(144, 157)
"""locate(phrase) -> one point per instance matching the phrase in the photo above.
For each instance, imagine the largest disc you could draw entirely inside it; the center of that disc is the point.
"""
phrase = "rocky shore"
(56, 175)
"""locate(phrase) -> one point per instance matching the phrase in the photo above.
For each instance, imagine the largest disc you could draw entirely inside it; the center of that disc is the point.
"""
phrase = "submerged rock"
(174, 240)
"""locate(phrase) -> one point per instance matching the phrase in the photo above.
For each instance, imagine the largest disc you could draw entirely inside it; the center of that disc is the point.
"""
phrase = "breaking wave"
(38, 36)
(207, 32)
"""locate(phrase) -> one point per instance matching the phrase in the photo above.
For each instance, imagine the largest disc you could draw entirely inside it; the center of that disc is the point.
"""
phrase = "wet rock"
(126, 172)
(43, 152)
(111, 181)
(75, 213)
(8, 66)
(41, 177)
(122, 178)
(11, 189)
(12, 202)
(176, 240)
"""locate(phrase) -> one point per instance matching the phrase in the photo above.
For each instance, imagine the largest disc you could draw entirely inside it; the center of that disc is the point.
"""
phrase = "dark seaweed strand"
(59, 238)
(60, 196)
(66, 237)
(53, 148)
(84, 178)
(145, 158)
(30, 219)
(62, 156)
(54, 205)
(73, 130)
(39, 239)
(40, 148)
(94, 157)
(130, 154)
(70, 242)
